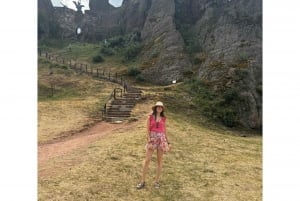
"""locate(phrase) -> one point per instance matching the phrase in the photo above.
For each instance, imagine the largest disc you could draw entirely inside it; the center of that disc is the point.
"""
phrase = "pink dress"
(157, 133)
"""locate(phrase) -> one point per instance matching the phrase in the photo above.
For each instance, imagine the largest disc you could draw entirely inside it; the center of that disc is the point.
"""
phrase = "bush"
(229, 117)
(218, 107)
(116, 41)
(140, 78)
(107, 51)
(133, 71)
(98, 59)
(230, 95)
(132, 51)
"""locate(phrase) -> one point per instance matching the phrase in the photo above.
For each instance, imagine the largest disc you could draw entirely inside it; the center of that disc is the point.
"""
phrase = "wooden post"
(63, 60)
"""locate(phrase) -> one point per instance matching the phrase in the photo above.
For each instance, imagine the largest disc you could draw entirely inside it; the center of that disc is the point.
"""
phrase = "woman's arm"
(166, 132)
(148, 130)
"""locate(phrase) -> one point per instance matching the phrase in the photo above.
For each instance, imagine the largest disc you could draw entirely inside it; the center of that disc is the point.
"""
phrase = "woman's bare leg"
(146, 163)
(160, 154)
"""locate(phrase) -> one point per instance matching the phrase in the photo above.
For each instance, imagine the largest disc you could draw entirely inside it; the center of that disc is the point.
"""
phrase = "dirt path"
(83, 139)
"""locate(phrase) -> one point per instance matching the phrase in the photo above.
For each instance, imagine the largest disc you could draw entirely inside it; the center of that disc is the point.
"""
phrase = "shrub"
(133, 71)
(140, 78)
(98, 59)
(240, 74)
(229, 117)
(116, 41)
(218, 107)
(230, 95)
(132, 51)
(137, 36)
(107, 51)
(188, 73)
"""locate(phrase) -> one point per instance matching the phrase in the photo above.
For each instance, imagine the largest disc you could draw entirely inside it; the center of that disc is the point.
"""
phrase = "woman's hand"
(150, 146)
(170, 146)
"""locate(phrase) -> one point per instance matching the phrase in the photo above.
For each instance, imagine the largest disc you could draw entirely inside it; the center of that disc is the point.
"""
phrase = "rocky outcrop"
(164, 57)
(100, 22)
(228, 53)
(220, 40)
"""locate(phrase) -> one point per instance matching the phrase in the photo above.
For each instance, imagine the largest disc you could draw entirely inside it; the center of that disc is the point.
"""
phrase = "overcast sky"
(116, 3)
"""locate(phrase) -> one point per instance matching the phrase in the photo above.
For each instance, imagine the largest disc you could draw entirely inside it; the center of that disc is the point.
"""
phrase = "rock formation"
(220, 40)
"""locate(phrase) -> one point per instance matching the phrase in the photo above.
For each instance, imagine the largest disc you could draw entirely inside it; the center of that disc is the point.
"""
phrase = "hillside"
(218, 43)
(81, 157)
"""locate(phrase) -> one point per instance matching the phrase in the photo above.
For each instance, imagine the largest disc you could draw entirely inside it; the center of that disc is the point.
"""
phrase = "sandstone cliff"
(164, 57)
(229, 55)
(219, 40)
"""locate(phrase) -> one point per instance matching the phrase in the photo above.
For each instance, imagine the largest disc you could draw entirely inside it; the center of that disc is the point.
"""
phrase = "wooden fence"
(81, 67)
(97, 72)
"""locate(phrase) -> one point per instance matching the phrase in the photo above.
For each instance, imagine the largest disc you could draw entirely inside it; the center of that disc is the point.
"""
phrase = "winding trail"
(57, 148)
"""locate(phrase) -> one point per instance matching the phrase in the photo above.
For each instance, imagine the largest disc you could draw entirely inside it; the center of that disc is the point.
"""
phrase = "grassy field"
(76, 102)
(208, 162)
(203, 165)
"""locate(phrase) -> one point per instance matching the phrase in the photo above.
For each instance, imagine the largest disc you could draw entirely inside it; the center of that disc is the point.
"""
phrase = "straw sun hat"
(158, 103)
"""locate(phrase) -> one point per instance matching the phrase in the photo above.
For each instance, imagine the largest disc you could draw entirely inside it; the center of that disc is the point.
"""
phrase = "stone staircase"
(117, 108)
(120, 108)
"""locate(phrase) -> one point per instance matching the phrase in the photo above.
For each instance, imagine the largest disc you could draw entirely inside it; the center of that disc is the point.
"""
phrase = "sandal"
(140, 185)
(157, 185)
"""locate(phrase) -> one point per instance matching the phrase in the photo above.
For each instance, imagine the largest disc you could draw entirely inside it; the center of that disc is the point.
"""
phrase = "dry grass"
(58, 118)
(203, 165)
(76, 103)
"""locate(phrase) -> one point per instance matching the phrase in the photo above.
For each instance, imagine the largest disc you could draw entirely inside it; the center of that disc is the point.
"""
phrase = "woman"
(156, 140)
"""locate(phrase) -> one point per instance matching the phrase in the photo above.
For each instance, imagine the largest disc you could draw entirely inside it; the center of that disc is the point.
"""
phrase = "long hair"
(154, 113)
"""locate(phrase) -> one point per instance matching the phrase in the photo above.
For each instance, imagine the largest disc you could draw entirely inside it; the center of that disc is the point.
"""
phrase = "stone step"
(125, 100)
(115, 119)
(131, 96)
(118, 112)
(119, 109)
(134, 91)
(125, 105)
(118, 115)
